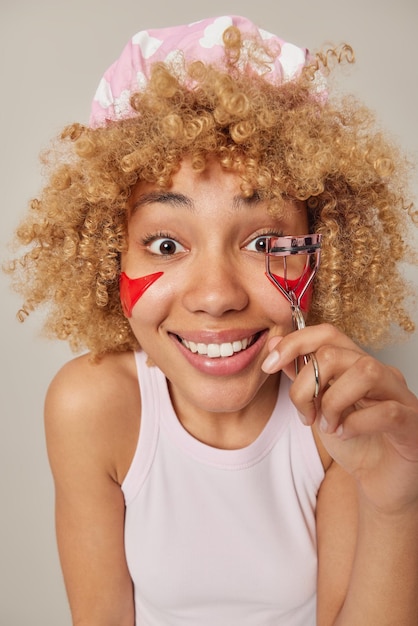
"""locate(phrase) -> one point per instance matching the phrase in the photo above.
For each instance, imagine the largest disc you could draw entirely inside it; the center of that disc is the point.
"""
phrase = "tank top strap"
(152, 383)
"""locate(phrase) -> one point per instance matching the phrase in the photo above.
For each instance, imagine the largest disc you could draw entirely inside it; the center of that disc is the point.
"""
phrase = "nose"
(215, 286)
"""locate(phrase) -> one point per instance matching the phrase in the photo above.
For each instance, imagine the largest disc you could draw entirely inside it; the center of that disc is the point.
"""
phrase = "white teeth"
(227, 349)
(216, 350)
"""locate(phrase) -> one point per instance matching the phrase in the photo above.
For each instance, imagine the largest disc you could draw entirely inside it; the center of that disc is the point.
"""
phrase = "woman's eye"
(166, 247)
(259, 244)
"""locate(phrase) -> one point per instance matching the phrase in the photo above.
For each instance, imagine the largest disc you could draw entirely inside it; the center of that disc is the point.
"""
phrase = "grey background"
(53, 54)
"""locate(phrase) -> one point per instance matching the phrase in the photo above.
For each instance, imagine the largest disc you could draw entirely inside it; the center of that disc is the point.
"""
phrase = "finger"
(306, 392)
(361, 383)
(304, 341)
(331, 362)
(347, 379)
(274, 342)
(271, 363)
(397, 421)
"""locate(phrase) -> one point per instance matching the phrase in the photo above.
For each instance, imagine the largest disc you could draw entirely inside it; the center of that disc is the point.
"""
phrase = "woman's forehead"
(213, 190)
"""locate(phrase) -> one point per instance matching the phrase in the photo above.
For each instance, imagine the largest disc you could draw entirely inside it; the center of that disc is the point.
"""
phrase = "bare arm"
(336, 523)
(383, 586)
(367, 560)
(87, 451)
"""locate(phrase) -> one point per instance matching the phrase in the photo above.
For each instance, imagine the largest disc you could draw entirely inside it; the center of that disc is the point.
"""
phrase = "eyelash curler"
(281, 262)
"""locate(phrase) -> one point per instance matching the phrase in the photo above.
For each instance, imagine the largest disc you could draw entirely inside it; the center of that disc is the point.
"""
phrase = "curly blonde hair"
(286, 141)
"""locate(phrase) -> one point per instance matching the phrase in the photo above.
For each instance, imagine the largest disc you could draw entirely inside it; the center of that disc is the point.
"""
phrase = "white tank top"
(221, 537)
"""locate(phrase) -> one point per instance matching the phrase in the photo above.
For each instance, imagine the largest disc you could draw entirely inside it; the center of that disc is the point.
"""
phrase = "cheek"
(132, 289)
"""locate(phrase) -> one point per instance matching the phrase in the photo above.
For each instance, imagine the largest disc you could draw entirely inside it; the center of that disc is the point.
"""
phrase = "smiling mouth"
(217, 350)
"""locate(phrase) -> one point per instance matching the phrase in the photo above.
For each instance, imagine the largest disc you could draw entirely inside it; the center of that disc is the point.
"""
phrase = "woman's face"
(205, 321)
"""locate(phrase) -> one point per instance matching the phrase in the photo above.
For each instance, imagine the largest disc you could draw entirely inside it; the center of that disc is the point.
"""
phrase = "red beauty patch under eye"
(131, 289)
(297, 285)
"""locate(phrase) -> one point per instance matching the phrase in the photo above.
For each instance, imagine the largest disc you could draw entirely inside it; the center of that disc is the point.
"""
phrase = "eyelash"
(264, 235)
(148, 240)
(150, 237)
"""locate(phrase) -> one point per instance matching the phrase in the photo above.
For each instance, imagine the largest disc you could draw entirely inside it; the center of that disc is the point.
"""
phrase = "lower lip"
(223, 366)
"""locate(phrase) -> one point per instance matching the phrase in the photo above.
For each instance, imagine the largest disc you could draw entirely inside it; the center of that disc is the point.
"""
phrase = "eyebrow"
(163, 197)
(180, 200)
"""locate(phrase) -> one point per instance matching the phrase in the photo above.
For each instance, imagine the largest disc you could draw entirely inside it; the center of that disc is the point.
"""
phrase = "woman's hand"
(365, 414)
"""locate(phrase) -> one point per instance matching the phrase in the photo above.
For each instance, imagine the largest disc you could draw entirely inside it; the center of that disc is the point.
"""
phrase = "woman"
(226, 487)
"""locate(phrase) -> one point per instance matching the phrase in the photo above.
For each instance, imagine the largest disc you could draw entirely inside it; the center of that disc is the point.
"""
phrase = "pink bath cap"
(197, 41)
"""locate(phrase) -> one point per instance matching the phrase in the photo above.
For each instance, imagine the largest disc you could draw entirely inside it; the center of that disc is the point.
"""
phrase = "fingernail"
(340, 431)
(271, 362)
(323, 424)
(302, 418)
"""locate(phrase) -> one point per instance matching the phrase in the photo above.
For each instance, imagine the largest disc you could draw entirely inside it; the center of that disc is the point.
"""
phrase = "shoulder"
(95, 378)
(96, 405)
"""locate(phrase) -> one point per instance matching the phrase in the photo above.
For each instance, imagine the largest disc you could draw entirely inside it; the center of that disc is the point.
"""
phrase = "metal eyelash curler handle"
(294, 290)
